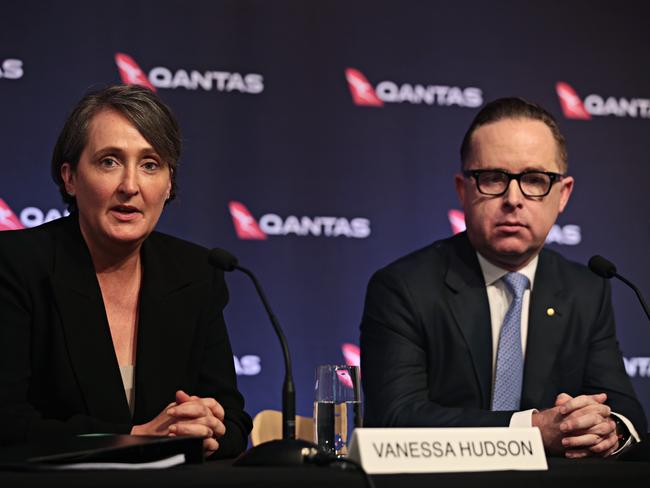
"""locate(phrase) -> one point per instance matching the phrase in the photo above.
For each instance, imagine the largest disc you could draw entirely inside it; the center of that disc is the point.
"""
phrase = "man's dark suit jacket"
(426, 341)
(58, 369)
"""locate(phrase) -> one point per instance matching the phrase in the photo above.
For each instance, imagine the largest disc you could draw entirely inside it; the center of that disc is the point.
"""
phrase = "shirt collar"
(492, 273)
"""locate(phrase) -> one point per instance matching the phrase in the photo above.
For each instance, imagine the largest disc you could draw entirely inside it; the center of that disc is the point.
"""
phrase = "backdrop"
(321, 140)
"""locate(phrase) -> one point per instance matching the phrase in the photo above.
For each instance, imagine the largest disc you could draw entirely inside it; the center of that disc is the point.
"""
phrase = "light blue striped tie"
(510, 359)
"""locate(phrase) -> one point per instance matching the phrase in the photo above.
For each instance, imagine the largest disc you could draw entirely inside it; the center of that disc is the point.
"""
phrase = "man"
(487, 328)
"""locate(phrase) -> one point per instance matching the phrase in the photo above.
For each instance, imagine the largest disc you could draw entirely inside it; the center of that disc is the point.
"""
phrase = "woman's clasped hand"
(188, 416)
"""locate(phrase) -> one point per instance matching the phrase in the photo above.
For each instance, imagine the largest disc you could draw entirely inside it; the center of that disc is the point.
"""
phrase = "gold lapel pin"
(550, 311)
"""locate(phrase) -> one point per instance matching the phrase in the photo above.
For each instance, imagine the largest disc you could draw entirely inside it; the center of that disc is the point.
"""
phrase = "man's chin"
(511, 245)
(511, 250)
(512, 253)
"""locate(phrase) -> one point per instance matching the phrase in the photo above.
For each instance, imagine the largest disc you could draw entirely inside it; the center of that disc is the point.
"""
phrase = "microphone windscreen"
(602, 267)
(222, 259)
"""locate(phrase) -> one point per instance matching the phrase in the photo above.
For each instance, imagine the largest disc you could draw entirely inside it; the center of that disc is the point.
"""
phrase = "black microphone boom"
(606, 269)
(227, 262)
(288, 451)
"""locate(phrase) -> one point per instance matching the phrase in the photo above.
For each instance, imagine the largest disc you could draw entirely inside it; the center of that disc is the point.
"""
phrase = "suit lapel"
(165, 331)
(85, 326)
(547, 322)
(471, 310)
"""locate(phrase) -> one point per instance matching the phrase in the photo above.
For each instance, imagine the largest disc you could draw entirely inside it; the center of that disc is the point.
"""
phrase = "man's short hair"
(153, 119)
(514, 108)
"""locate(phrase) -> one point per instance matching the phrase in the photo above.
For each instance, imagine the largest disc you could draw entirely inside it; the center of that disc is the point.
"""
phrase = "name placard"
(447, 450)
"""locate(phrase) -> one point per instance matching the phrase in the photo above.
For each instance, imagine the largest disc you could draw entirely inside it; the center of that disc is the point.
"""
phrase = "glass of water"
(337, 407)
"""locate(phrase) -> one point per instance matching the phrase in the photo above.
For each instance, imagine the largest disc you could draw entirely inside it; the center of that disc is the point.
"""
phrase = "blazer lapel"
(471, 310)
(85, 326)
(165, 332)
(547, 323)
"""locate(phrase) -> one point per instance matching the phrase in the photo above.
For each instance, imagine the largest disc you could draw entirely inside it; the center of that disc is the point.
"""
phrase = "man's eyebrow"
(539, 168)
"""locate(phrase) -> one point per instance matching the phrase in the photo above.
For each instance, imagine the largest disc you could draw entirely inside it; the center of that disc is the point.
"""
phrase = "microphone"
(288, 451)
(222, 259)
(602, 267)
(606, 269)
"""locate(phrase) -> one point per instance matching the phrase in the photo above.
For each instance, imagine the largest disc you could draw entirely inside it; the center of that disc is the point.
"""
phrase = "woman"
(105, 324)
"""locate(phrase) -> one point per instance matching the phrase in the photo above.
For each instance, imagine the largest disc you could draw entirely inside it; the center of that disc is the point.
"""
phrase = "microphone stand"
(288, 389)
(288, 451)
(636, 290)
(606, 269)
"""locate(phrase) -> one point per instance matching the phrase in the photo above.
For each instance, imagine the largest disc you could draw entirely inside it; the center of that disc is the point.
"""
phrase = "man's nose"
(513, 195)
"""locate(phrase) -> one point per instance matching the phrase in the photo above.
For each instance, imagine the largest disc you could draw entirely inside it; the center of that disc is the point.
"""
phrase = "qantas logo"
(362, 91)
(568, 235)
(457, 220)
(29, 217)
(8, 220)
(574, 107)
(11, 69)
(245, 225)
(34, 216)
(211, 80)
(248, 228)
(130, 72)
(249, 365)
(637, 367)
(364, 94)
(352, 354)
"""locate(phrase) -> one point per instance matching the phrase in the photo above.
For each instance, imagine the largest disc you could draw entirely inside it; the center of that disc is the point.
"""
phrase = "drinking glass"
(337, 407)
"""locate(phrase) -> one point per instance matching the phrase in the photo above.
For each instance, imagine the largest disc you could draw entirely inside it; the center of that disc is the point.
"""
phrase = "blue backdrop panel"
(339, 189)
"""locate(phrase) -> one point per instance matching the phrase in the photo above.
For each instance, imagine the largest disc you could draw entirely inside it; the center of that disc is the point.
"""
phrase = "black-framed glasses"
(495, 182)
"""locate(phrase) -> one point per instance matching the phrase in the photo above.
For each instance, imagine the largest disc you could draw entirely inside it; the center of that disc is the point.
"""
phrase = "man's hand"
(548, 421)
(587, 426)
(578, 427)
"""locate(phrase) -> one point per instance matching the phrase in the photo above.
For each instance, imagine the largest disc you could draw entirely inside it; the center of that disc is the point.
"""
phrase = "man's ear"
(565, 192)
(459, 181)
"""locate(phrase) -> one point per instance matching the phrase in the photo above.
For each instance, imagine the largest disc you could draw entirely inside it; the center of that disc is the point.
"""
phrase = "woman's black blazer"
(58, 369)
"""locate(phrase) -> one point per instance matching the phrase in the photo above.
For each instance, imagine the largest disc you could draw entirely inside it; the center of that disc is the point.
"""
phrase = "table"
(562, 473)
